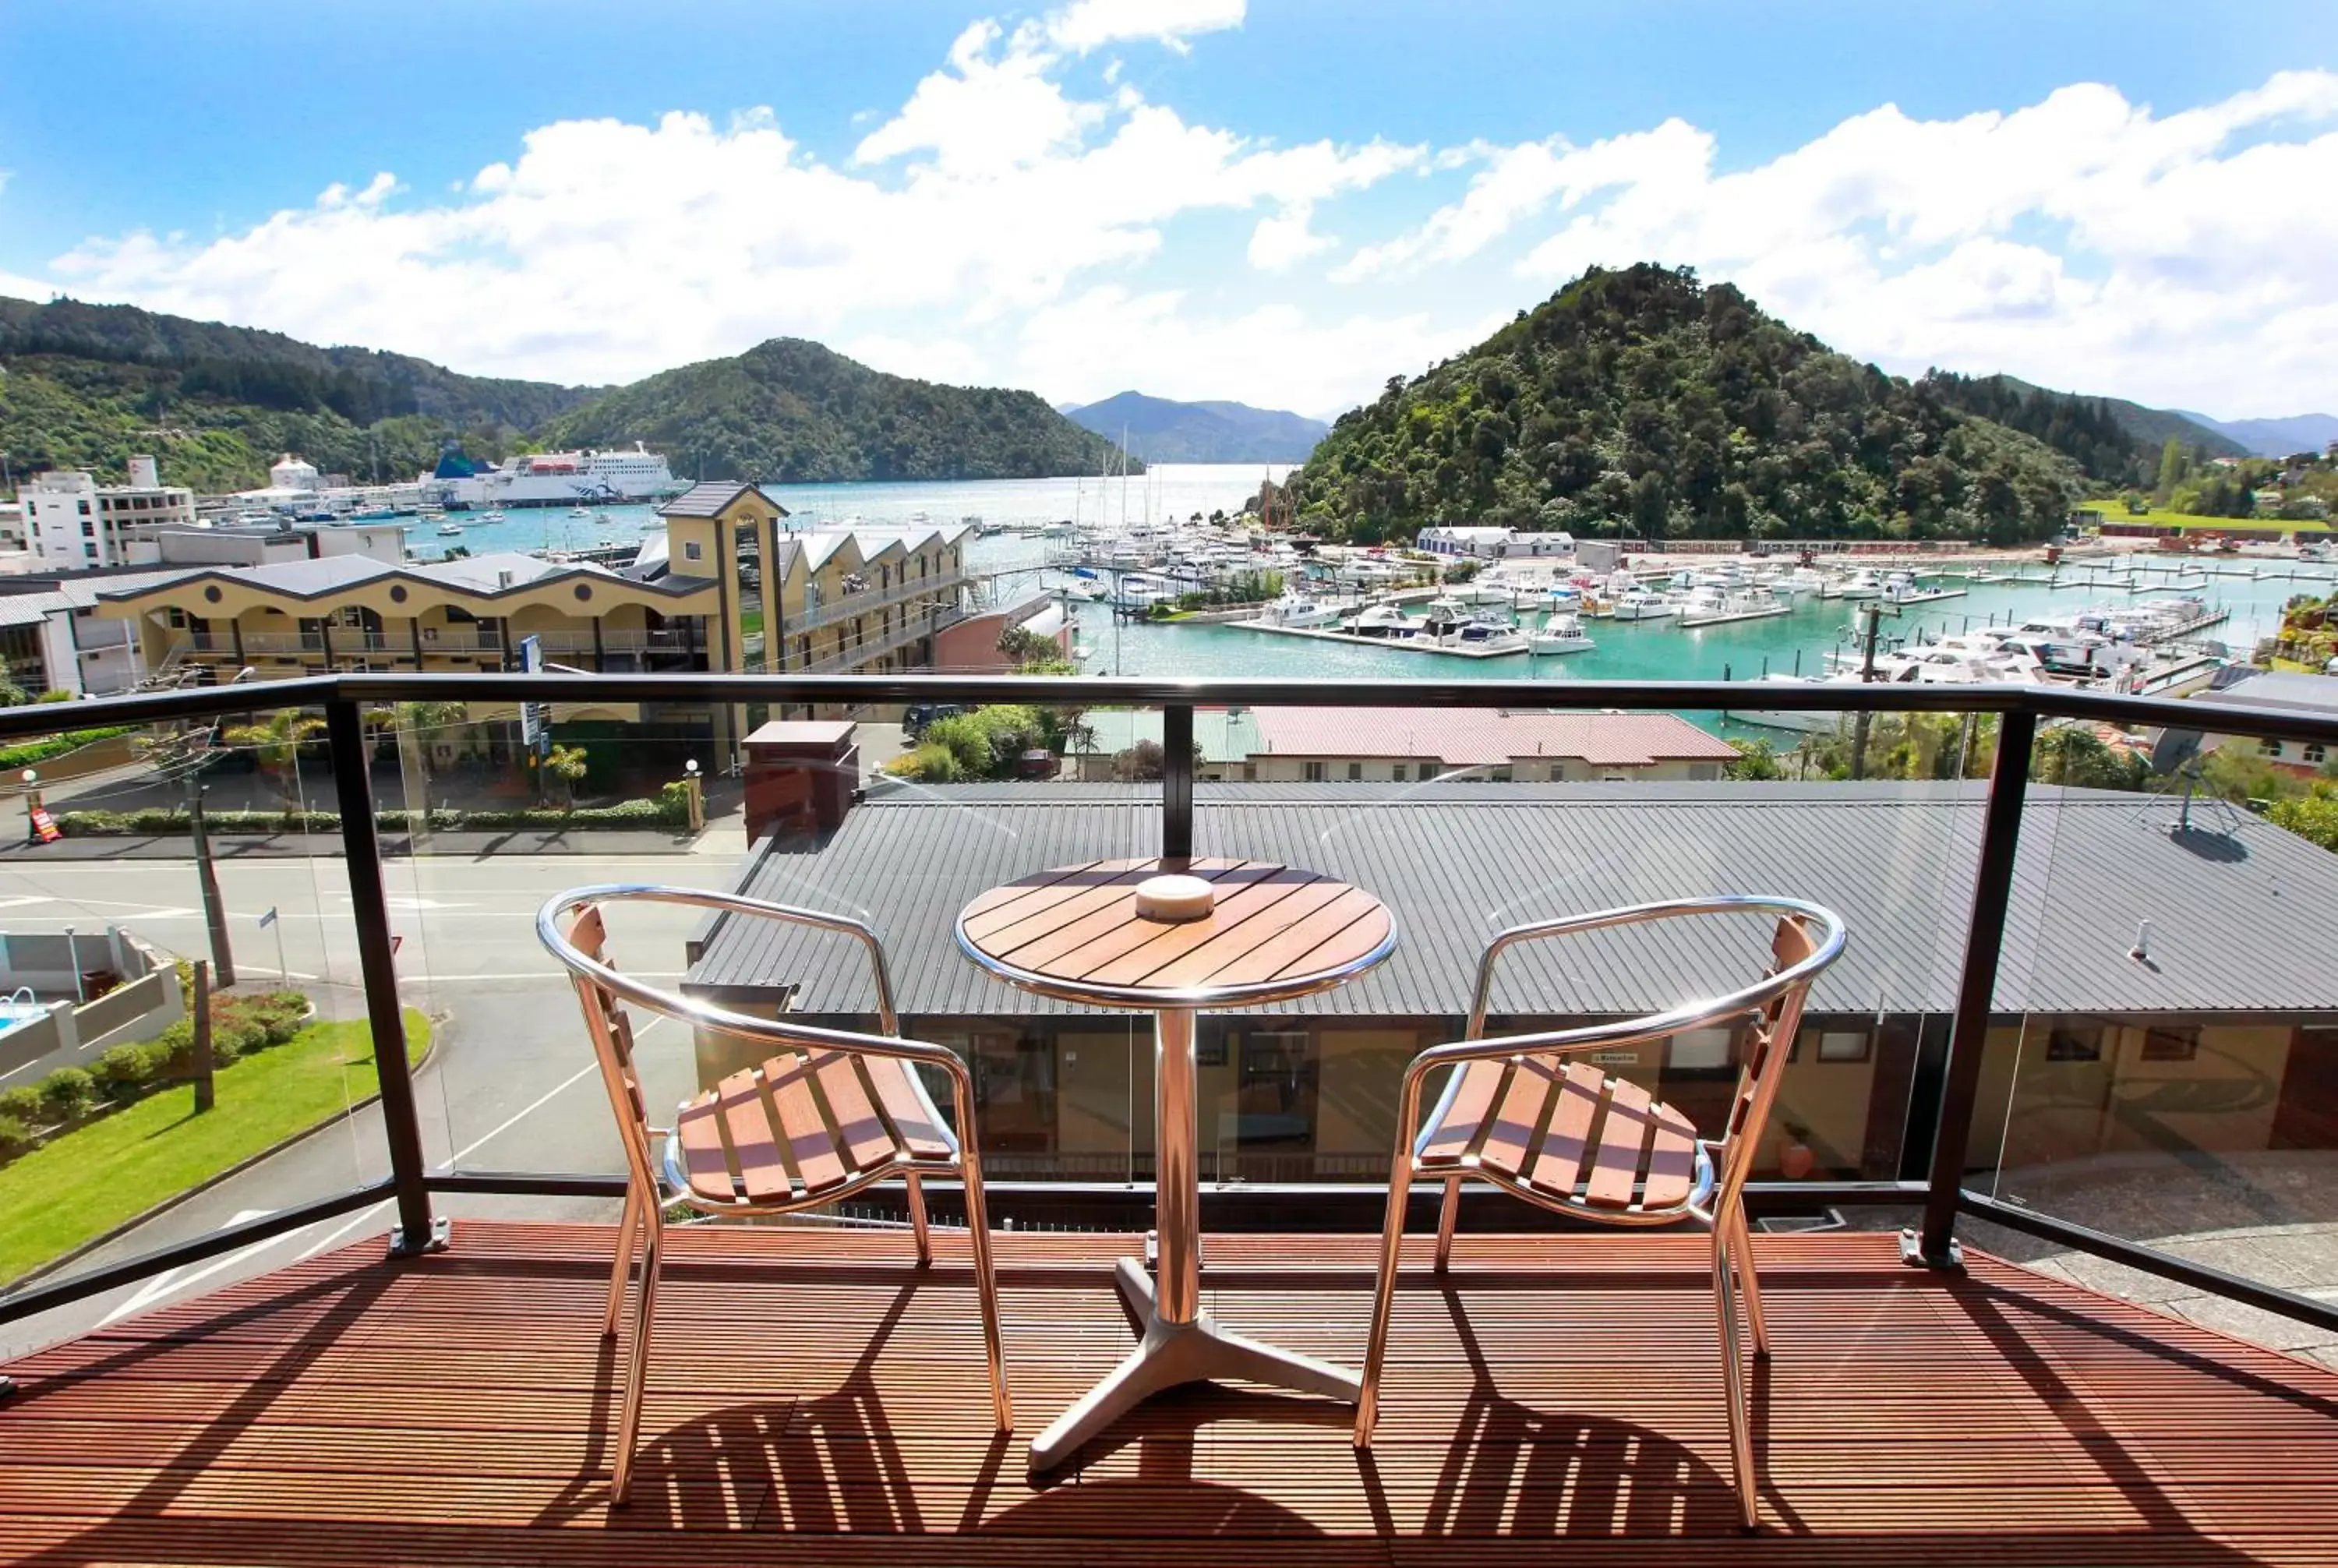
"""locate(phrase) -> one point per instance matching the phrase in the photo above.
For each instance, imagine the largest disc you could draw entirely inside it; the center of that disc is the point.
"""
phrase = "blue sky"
(1280, 203)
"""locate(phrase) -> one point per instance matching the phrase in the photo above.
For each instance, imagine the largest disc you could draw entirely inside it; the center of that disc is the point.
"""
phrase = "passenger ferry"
(552, 479)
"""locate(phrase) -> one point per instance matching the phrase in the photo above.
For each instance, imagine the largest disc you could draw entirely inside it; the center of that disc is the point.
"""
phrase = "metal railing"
(871, 599)
(1942, 1099)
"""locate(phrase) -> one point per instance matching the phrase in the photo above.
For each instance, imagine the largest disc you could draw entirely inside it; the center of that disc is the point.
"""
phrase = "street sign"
(44, 827)
(535, 717)
(267, 919)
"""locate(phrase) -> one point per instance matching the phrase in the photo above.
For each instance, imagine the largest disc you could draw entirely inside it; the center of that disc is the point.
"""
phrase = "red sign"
(44, 827)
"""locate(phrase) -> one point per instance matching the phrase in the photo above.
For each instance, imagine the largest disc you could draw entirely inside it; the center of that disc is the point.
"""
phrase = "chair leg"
(623, 1267)
(1447, 1212)
(637, 1360)
(985, 1285)
(1741, 1249)
(1384, 1294)
(917, 1223)
(1732, 1380)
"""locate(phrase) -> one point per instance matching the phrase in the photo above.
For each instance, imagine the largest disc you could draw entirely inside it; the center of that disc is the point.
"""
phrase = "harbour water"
(1654, 650)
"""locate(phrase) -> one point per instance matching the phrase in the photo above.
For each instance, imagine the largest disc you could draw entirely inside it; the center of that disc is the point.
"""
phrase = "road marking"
(16, 903)
(173, 1281)
(541, 1101)
(338, 1231)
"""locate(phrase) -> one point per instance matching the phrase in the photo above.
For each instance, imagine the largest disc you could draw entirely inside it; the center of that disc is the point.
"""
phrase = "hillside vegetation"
(89, 385)
(1643, 404)
(1161, 430)
(793, 411)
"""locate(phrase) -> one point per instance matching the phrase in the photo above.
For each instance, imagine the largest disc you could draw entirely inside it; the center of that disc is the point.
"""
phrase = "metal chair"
(1567, 1137)
(829, 1112)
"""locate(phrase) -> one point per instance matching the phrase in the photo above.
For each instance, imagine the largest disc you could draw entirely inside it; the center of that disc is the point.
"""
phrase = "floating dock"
(1927, 596)
(1691, 622)
(1402, 644)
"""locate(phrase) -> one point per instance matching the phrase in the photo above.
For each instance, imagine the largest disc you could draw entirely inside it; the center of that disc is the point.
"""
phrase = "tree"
(276, 744)
(567, 764)
(1757, 761)
(2171, 472)
(415, 721)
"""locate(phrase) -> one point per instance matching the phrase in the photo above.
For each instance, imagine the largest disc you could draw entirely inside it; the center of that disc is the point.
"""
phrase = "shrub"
(931, 763)
(15, 1137)
(23, 1104)
(25, 753)
(69, 1094)
(126, 1068)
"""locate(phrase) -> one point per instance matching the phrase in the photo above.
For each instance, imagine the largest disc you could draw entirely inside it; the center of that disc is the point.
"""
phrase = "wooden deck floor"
(813, 1400)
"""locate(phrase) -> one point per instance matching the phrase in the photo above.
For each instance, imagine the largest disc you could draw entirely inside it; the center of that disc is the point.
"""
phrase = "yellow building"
(697, 598)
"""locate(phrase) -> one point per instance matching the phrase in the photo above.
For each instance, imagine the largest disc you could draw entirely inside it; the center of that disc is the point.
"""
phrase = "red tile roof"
(1463, 737)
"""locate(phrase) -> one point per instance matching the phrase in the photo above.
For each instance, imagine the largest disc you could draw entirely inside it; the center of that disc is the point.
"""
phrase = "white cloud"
(1282, 239)
(1088, 24)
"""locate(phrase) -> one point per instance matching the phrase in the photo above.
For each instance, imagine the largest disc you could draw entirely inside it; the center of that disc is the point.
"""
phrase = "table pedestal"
(1180, 1343)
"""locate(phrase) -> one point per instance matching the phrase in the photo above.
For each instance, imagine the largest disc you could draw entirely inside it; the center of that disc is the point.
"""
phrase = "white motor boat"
(1378, 621)
(1562, 633)
(1299, 609)
(492, 517)
(1861, 584)
(1639, 604)
(1811, 723)
(579, 511)
(449, 529)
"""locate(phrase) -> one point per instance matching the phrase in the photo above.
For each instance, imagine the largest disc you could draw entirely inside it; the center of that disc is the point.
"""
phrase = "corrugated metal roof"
(31, 608)
(1464, 737)
(1456, 863)
(2280, 689)
(1224, 735)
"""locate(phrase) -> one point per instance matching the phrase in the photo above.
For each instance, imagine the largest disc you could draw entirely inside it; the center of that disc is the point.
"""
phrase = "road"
(510, 1086)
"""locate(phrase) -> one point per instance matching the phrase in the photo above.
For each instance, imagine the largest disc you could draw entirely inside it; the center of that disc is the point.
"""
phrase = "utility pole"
(203, 1058)
(214, 914)
(1874, 613)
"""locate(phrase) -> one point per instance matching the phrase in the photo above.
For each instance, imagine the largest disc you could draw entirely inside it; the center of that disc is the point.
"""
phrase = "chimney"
(144, 474)
(503, 579)
(800, 777)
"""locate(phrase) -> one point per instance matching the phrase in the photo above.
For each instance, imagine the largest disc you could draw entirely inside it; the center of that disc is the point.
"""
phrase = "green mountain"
(87, 386)
(1641, 403)
(1161, 431)
(793, 411)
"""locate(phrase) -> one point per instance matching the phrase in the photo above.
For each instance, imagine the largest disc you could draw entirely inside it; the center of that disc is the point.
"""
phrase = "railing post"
(1935, 1246)
(1177, 781)
(416, 1232)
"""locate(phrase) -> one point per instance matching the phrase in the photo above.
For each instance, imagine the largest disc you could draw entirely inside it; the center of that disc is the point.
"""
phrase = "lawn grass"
(89, 1181)
(2268, 526)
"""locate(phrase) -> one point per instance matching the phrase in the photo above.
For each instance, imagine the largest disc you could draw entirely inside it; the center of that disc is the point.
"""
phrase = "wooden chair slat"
(1449, 1139)
(740, 1096)
(866, 1142)
(811, 1140)
(704, 1160)
(1672, 1160)
(1519, 1116)
(906, 1108)
(1623, 1140)
(1559, 1164)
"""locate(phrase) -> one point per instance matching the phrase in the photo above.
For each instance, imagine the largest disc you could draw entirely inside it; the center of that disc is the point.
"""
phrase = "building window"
(693, 550)
(83, 505)
(1699, 1050)
(1250, 773)
(2315, 751)
(1355, 771)
(2269, 747)
(2171, 1042)
(2075, 1043)
(1843, 1046)
(1314, 771)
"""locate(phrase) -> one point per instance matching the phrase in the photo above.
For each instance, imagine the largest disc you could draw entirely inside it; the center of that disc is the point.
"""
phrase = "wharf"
(2197, 623)
(1928, 596)
(1691, 622)
(1415, 644)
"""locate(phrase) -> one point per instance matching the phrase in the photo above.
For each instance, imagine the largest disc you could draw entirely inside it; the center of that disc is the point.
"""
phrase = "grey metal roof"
(2280, 689)
(709, 498)
(2239, 919)
(31, 608)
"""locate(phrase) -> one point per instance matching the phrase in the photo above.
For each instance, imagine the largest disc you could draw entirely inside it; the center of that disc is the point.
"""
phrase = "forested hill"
(1638, 402)
(2115, 442)
(87, 386)
(793, 411)
(1163, 431)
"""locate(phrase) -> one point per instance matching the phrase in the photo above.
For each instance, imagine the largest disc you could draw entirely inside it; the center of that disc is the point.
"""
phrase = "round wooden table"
(1275, 933)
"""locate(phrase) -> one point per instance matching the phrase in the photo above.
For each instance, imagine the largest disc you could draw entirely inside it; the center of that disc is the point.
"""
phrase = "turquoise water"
(1626, 650)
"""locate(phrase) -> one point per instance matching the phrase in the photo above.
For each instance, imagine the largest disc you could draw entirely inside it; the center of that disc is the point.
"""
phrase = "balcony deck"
(815, 1400)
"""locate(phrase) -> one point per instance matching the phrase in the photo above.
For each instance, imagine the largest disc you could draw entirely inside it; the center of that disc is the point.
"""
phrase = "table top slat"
(1094, 910)
(1169, 958)
(1300, 947)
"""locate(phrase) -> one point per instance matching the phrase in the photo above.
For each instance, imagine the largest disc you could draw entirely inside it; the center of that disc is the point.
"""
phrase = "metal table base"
(1180, 1343)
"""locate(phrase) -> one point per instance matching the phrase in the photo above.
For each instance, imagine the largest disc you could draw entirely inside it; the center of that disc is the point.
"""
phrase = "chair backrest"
(611, 1028)
(1769, 1043)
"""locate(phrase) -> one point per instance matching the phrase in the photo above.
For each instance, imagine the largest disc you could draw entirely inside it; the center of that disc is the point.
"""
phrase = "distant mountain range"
(1161, 431)
(2275, 437)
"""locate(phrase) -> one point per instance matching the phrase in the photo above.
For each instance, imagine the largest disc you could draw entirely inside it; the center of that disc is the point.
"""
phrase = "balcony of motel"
(814, 1394)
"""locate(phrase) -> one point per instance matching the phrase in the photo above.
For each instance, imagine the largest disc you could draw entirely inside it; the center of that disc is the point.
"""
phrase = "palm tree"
(414, 721)
(277, 745)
